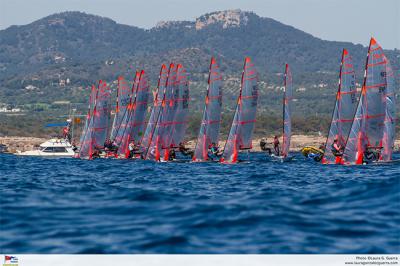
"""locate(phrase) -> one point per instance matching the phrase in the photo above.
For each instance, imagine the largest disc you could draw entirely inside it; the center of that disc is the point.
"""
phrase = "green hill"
(57, 57)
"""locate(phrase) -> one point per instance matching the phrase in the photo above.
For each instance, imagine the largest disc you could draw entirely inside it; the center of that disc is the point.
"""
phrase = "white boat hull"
(45, 154)
(51, 148)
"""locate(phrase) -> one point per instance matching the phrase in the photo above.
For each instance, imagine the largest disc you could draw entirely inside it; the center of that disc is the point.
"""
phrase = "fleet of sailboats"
(362, 128)
(366, 136)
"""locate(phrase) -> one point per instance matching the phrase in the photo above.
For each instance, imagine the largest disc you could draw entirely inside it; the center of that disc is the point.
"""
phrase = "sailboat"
(93, 138)
(210, 124)
(368, 125)
(123, 114)
(389, 131)
(122, 102)
(181, 106)
(158, 149)
(155, 111)
(135, 118)
(240, 134)
(85, 140)
(287, 121)
(343, 113)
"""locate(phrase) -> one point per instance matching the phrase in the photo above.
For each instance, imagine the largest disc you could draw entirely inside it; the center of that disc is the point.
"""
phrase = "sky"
(336, 20)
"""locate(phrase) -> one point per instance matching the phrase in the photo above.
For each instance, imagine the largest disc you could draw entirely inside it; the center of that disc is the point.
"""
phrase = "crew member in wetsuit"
(172, 155)
(369, 155)
(110, 146)
(213, 149)
(107, 145)
(96, 153)
(185, 151)
(74, 146)
(276, 146)
(263, 146)
(133, 149)
(336, 149)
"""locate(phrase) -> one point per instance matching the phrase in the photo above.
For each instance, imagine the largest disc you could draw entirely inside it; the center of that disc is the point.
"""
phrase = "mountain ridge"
(80, 46)
(54, 59)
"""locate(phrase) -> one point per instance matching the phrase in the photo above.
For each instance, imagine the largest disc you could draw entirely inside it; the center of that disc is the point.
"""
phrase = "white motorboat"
(55, 147)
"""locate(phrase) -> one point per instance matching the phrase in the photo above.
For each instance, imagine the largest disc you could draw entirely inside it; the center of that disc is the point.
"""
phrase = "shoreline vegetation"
(15, 143)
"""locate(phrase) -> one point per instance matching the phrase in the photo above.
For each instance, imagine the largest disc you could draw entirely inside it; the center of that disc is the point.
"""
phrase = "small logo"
(10, 261)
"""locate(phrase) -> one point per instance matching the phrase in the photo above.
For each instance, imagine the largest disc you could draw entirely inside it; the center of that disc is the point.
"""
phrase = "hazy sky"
(341, 20)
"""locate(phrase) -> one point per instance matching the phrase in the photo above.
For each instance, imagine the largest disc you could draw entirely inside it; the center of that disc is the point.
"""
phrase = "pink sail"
(86, 140)
(240, 135)
(287, 103)
(98, 126)
(368, 124)
(181, 106)
(343, 113)
(161, 138)
(123, 98)
(101, 115)
(156, 110)
(210, 124)
(139, 108)
(136, 114)
(389, 132)
(121, 140)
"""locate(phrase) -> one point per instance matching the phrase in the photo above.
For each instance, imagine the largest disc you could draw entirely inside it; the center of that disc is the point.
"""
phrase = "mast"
(287, 123)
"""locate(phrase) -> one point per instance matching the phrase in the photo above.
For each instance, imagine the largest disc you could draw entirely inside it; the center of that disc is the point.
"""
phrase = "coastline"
(21, 143)
(15, 143)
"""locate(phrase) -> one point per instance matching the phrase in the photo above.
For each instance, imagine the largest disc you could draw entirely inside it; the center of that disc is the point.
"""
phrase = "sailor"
(114, 147)
(263, 146)
(336, 149)
(276, 146)
(107, 144)
(74, 146)
(369, 155)
(172, 154)
(133, 149)
(96, 153)
(151, 152)
(214, 150)
(185, 151)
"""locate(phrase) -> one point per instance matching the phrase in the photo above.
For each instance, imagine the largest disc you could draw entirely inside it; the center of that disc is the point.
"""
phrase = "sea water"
(120, 206)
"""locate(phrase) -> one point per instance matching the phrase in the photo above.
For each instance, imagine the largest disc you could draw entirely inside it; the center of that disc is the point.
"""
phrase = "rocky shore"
(21, 143)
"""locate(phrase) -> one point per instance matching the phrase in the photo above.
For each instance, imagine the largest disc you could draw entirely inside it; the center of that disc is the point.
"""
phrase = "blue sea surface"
(120, 206)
